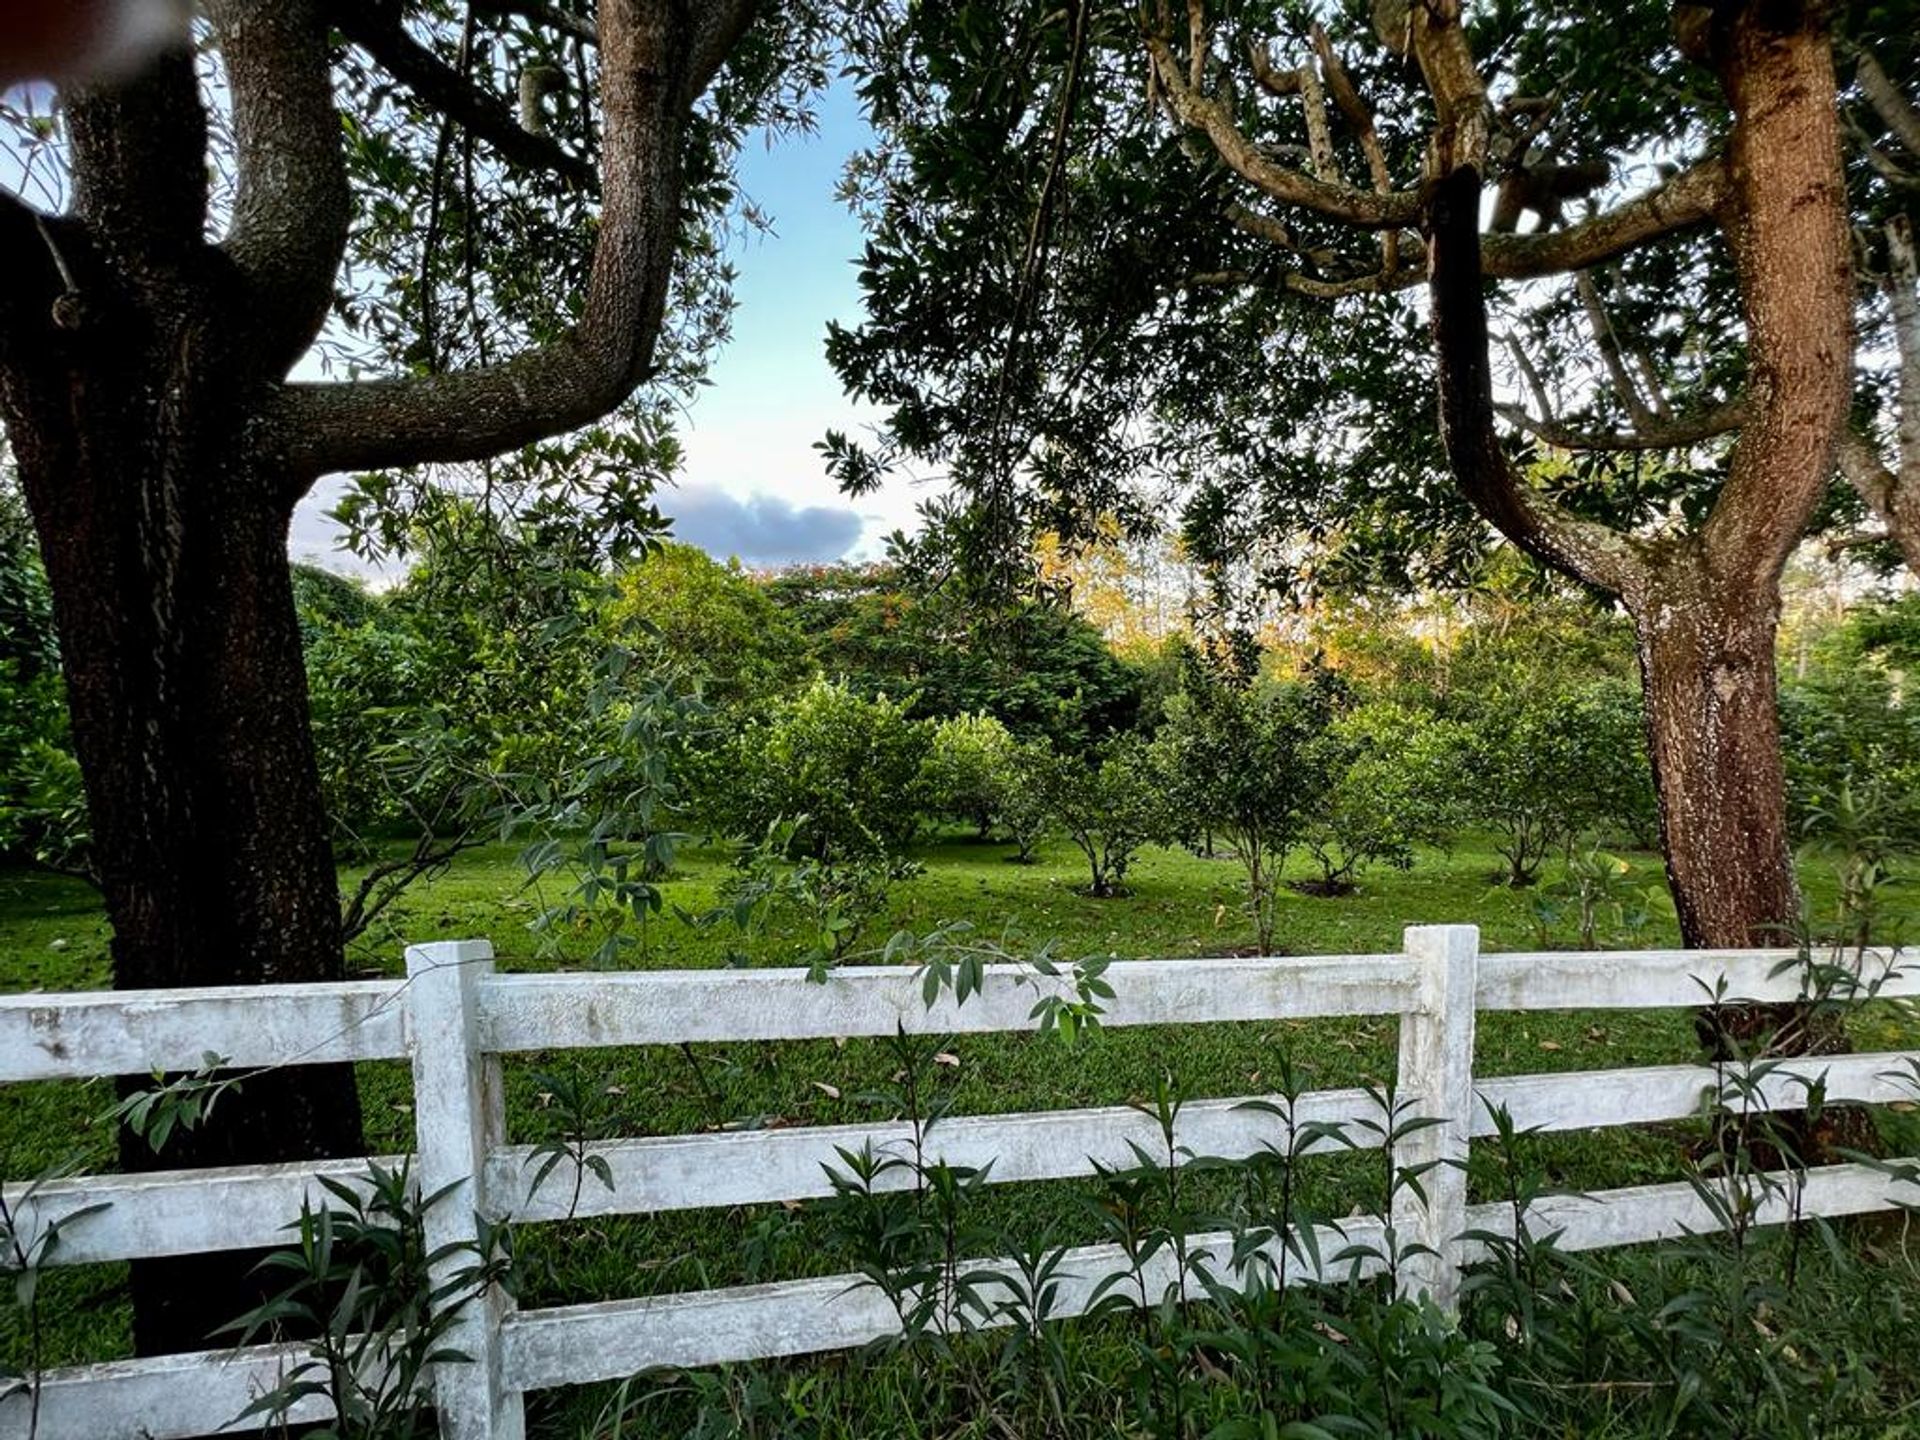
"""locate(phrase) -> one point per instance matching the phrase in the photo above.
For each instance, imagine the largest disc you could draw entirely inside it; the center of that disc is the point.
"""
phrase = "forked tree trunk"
(165, 545)
(1705, 607)
(1707, 665)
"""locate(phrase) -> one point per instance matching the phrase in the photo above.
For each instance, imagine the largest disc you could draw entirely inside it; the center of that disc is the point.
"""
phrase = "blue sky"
(752, 485)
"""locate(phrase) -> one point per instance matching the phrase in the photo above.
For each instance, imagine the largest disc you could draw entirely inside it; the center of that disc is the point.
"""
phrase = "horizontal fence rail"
(453, 1018)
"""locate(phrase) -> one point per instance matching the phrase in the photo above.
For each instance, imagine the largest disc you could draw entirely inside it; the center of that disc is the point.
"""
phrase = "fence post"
(459, 1115)
(1436, 1077)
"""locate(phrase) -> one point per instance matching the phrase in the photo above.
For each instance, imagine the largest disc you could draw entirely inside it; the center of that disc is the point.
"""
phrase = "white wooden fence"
(453, 1018)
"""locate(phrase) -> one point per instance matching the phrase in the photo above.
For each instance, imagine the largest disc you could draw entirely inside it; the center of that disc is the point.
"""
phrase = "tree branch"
(720, 26)
(1902, 287)
(1281, 84)
(376, 26)
(140, 161)
(1335, 199)
(1650, 432)
(1582, 548)
(290, 214)
(648, 49)
(1689, 199)
(1888, 103)
(1792, 253)
(1600, 325)
(387, 880)
(1358, 114)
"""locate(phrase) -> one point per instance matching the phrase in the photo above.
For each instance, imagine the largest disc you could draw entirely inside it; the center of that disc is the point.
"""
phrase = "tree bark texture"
(1708, 670)
(143, 387)
(1705, 607)
(164, 541)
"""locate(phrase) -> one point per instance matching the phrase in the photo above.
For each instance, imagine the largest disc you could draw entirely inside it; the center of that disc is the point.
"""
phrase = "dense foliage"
(42, 811)
(1037, 667)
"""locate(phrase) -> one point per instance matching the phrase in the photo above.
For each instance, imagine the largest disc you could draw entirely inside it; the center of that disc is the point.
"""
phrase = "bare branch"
(1867, 473)
(1360, 116)
(290, 215)
(1198, 40)
(1529, 373)
(1649, 433)
(1339, 201)
(1894, 498)
(1689, 199)
(1313, 99)
(648, 47)
(1261, 227)
(1902, 287)
(376, 26)
(1888, 103)
(1600, 325)
(387, 880)
(1281, 84)
(1583, 548)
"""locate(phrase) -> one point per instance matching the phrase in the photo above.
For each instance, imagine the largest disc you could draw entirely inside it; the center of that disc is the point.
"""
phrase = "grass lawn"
(52, 936)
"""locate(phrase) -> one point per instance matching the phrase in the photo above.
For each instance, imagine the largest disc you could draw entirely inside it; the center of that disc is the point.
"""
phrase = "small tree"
(1238, 761)
(712, 621)
(1026, 807)
(1388, 772)
(1109, 809)
(969, 770)
(1540, 766)
(848, 764)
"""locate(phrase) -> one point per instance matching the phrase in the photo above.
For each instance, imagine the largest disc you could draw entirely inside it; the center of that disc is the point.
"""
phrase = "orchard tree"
(1240, 758)
(904, 628)
(178, 248)
(842, 768)
(714, 621)
(1389, 777)
(1109, 806)
(969, 772)
(1541, 766)
(1203, 287)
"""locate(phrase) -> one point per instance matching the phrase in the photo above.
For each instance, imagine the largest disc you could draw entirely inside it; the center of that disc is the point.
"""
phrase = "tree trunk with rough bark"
(1708, 673)
(162, 449)
(1705, 605)
(165, 547)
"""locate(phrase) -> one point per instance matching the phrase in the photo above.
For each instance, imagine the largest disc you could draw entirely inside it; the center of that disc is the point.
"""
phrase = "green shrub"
(1109, 808)
(969, 770)
(848, 765)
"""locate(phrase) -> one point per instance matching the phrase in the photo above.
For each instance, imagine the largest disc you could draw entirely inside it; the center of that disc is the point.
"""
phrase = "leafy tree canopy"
(1036, 666)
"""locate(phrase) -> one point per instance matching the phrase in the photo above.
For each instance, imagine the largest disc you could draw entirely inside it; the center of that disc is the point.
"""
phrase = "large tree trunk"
(165, 545)
(1707, 664)
(1705, 605)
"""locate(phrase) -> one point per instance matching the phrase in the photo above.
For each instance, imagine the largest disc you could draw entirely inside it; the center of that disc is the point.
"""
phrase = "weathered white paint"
(1598, 1099)
(580, 1344)
(79, 1034)
(1435, 1083)
(1643, 1213)
(181, 1212)
(751, 1167)
(460, 1117)
(163, 1398)
(453, 1016)
(662, 1007)
(1652, 979)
